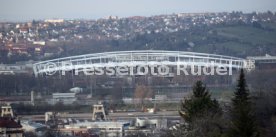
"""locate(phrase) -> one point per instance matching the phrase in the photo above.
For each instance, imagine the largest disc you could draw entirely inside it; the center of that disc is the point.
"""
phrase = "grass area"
(234, 46)
(269, 25)
(238, 40)
(248, 34)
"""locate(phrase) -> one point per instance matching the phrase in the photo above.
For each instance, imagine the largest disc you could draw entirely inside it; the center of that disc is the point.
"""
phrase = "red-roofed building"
(10, 128)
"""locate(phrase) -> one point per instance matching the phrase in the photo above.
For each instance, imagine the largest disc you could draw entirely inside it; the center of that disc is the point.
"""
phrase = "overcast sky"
(22, 10)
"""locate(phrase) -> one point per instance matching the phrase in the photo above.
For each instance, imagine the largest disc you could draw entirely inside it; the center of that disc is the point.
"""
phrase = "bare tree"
(141, 92)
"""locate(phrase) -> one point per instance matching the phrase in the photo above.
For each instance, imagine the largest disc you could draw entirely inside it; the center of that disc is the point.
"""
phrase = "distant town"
(42, 39)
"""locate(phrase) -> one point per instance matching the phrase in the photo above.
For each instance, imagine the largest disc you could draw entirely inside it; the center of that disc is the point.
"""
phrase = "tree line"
(244, 116)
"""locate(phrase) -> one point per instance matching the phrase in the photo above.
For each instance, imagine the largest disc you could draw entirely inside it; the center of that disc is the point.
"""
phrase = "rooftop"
(6, 122)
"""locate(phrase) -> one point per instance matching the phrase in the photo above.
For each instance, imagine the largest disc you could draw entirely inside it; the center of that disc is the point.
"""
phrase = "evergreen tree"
(199, 105)
(242, 118)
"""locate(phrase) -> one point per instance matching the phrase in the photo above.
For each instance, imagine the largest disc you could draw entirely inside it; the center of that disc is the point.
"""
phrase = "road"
(118, 115)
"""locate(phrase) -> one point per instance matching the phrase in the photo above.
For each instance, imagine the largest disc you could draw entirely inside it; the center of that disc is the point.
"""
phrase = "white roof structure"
(135, 58)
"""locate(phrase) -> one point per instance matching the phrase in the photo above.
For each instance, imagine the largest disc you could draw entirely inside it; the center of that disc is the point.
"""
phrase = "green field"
(248, 34)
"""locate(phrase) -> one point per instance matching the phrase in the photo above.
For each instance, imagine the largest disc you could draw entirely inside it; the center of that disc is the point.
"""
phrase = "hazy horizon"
(19, 10)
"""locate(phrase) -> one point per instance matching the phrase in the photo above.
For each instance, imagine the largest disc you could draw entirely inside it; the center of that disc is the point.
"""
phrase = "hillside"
(235, 40)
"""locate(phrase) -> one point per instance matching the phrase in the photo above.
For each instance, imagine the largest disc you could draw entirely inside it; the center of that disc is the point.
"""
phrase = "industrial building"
(64, 98)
